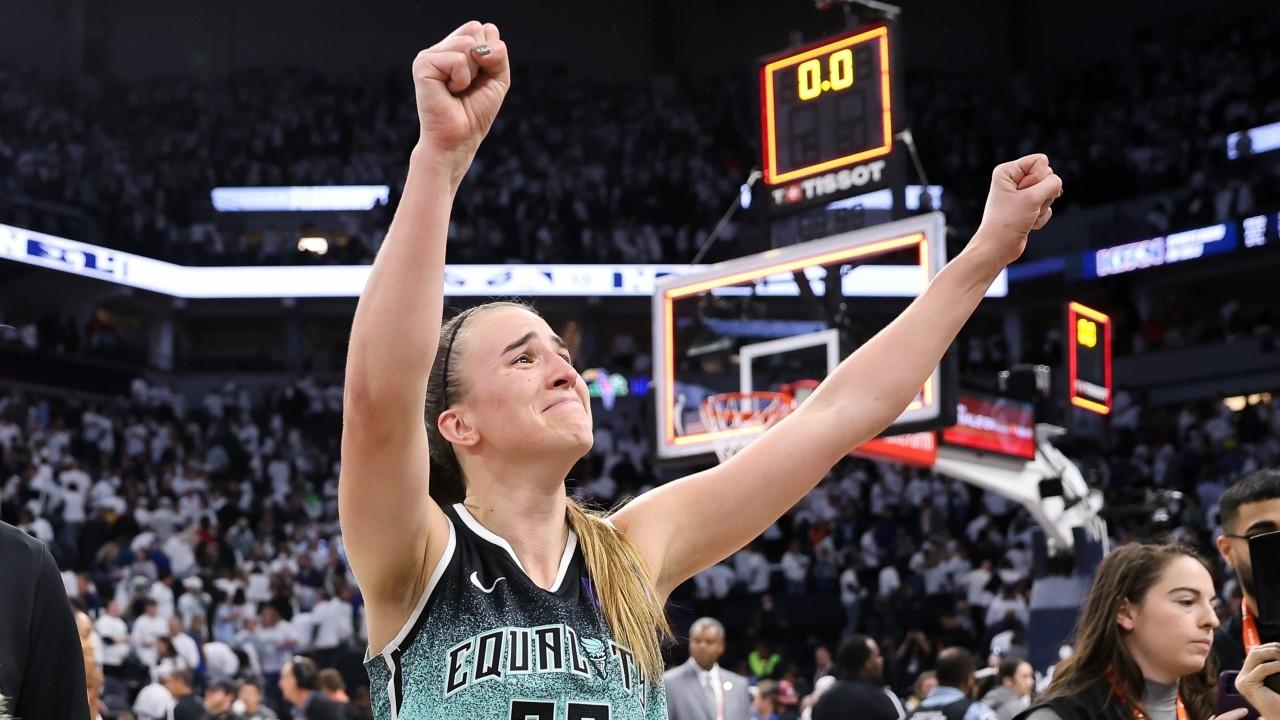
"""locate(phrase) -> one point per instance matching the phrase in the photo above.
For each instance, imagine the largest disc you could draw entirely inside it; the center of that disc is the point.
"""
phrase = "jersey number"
(546, 710)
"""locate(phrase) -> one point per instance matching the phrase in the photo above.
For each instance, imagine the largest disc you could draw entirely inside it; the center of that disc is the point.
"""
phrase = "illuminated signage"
(1089, 383)
(915, 449)
(1155, 252)
(991, 424)
(299, 198)
(1263, 138)
(1260, 230)
(84, 259)
(827, 107)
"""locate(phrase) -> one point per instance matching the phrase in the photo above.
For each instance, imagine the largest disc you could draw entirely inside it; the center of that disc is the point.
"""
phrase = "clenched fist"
(460, 83)
(1020, 200)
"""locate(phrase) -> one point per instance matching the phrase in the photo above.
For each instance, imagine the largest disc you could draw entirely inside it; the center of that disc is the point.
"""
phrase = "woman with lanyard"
(490, 594)
(1142, 642)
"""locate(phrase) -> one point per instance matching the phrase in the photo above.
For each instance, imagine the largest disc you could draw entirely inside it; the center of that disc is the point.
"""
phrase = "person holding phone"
(1248, 508)
(1142, 642)
(1262, 662)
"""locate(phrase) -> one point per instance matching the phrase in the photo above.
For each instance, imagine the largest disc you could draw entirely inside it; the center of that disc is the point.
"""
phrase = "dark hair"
(304, 672)
(444, 385)
(182, 674)
(954, 667)
(223, 685)
(1009, 667)
(853, 654)
(330, 680)
(1127, 574)
(1254, 487)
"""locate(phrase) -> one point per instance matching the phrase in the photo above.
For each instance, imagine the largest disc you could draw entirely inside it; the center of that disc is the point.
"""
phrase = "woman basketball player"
(489, 593)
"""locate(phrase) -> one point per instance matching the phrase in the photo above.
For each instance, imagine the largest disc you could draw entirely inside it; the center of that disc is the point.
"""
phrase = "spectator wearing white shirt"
(147, 629)
(752, 569)
(715, 583)
(35, 526)
(335, 623)
(1007, 604)
(162, 592)
(114, 633)
(274, 642)
(795, 569)
(184, 644)
(851, 595)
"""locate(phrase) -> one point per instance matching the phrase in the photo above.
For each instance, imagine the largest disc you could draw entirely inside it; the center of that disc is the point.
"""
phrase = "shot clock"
(827, 108)
(1089, 358)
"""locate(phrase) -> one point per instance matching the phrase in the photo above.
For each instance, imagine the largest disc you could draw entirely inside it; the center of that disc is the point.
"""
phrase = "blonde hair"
(629, 601)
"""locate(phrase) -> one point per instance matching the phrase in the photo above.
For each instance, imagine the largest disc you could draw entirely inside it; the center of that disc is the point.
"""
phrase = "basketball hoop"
(735, 419)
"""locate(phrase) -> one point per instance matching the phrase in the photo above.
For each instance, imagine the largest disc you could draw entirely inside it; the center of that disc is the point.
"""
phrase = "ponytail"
(628, 599)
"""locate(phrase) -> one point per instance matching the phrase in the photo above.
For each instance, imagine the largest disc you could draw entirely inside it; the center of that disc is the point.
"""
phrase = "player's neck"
(529, 516)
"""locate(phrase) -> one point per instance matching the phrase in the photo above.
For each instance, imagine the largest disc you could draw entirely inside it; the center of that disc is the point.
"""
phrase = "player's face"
(523, 394)
(706, 646)
(1170, 632)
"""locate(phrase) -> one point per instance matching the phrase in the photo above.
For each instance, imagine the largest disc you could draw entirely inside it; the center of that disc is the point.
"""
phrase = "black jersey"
(484, 642)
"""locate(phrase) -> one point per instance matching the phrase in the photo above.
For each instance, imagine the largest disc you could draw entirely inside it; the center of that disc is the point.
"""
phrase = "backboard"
(766, 321)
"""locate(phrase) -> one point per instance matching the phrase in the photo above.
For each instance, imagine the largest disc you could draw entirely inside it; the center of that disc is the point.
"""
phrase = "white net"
(735, 419)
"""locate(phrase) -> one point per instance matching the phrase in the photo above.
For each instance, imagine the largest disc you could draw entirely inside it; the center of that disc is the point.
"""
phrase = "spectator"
(187, 705)
(701, 688)
(1016, 679)
(299, 689)
(219, 698)
(860, 693)
(951, 700)
(249, 703)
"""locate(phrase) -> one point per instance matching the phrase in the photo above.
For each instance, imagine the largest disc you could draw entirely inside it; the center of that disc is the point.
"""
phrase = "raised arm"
(692, 523)
(391, 529)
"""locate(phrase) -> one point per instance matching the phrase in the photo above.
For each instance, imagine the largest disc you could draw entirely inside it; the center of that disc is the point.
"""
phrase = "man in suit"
(41, 661)
(702, 690)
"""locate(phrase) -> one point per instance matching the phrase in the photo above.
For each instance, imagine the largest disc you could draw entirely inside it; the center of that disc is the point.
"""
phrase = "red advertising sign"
(917, 449)
(995, 425)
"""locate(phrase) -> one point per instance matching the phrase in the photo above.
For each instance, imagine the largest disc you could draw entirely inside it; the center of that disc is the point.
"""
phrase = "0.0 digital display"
(826, 107)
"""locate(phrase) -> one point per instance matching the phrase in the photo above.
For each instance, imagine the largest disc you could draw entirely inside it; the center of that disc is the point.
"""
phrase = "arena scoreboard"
(826, 118)
(1089, 383)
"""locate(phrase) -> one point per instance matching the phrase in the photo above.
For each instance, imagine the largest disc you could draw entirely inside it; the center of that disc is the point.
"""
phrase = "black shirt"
(319, 707)
(856, 700)
(1228, 644)
(188, 708)
(41, 662)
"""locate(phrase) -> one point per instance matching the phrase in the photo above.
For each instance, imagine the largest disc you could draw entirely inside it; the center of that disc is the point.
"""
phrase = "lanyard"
(1251, 638)
(1138, 714)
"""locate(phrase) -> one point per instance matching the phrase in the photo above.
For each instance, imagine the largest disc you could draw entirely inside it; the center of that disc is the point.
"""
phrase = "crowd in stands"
(580, 171)
(202, 540)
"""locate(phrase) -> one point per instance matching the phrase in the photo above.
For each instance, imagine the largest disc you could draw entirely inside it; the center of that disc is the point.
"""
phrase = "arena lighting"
(313, 244)
(231, 282)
